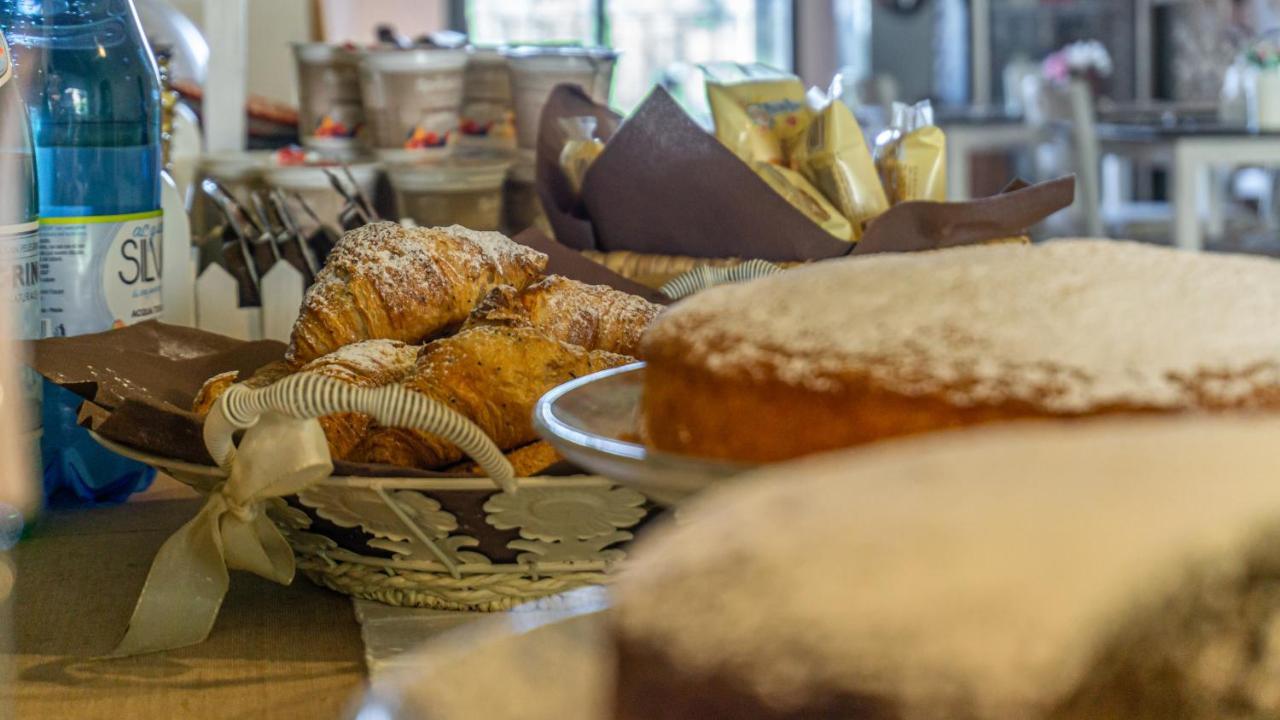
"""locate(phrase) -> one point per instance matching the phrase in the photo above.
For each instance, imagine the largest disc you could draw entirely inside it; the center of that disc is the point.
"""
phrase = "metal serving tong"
(323, 237)
(276, 226)
(266, 247)
(236, 251)
(294, 246)
(357, 211)
(285, 243)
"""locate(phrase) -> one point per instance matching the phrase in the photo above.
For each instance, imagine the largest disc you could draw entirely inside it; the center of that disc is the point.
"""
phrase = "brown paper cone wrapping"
(923, 225)
(665, 186)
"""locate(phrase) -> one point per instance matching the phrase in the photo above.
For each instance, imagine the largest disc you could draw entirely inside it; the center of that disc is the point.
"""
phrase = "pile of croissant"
(467, 318)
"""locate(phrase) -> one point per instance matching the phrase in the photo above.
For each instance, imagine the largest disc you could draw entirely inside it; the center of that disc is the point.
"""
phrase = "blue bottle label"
(99, 273)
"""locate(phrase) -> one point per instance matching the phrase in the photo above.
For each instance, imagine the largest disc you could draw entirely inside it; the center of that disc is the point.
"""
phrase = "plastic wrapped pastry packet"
(581, 148)
(760, 113)
(833, 155)
(911, 155)
(792, 186)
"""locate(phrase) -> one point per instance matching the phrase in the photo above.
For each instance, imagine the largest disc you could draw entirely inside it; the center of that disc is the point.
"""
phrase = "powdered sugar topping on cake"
(975, 574)
(1069, 325)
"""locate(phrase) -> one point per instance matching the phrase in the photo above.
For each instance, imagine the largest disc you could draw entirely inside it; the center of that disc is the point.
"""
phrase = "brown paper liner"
(562, 207)
(923, 225)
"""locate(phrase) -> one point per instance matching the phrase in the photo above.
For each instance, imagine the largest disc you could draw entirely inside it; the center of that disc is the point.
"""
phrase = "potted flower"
(1086, 60)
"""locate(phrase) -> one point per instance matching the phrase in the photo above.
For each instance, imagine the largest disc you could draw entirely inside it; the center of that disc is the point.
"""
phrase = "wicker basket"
(448, 543)
(654, 271)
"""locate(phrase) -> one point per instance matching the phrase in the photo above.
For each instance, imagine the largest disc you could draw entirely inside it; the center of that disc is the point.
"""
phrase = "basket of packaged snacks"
(388, 451)
(785, 177)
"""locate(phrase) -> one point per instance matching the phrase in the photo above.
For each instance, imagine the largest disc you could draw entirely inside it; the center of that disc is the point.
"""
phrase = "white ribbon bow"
(279, 456)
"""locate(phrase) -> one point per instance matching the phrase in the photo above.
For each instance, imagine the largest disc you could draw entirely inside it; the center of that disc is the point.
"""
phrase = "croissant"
(526, 460)
(372, 363)
(492, 375)
(407, 284)
(211, 390)
(218, 384)
(595, 317)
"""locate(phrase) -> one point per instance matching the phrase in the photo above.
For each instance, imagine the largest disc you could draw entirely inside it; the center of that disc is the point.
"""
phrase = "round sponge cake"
(1096, 570)
(854, 350)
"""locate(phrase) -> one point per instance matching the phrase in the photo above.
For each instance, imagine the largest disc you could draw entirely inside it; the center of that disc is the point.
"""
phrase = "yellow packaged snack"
(911, 156)
(886, 150)
(806, 198)
(833, 155)
(922, 162)
(581, 149)
(757, 110)
(759, 114)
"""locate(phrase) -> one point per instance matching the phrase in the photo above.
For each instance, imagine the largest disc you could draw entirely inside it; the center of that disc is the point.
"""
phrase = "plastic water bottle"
(93, 96)
(19, 268)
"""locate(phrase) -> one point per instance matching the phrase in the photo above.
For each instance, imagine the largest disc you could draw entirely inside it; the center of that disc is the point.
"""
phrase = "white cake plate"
(594, 423)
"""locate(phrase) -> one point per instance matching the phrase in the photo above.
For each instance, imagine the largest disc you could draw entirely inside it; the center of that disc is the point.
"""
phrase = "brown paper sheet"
(564, 211)
(139, 381)
(161, 365)
(665, 186)
(923, 225)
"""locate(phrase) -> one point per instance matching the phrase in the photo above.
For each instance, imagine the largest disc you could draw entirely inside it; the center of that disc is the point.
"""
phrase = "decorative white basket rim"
(216, 475)
(204, 478)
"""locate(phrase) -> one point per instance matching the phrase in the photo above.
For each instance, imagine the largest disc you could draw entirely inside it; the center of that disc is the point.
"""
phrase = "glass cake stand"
(594, 423)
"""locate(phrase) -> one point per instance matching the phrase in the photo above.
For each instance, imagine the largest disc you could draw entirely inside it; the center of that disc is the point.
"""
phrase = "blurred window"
(853, 38)
(661, 41)
(493, 22)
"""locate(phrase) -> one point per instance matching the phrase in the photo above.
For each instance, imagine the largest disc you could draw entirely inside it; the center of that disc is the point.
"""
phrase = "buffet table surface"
(278, 652)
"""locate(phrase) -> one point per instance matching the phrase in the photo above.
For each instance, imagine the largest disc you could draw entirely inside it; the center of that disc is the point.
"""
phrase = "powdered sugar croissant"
(373, 363)
(492, 375)
(595, 317)
(526, 460)
(218, 384)
(409, 284)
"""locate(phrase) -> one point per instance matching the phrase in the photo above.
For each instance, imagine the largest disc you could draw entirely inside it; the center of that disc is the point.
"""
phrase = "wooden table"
(276, 652)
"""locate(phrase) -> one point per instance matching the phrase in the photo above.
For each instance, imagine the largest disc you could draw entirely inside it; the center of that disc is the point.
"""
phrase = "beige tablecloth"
(276, 652)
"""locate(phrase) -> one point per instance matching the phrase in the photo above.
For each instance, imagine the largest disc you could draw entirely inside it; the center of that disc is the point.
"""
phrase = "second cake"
(850, 351)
